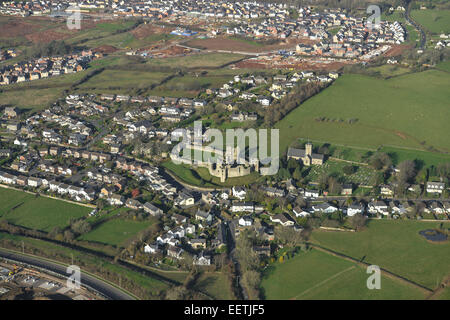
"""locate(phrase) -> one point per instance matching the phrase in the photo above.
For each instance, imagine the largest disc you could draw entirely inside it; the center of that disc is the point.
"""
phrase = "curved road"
(87, 280)
(423, 37)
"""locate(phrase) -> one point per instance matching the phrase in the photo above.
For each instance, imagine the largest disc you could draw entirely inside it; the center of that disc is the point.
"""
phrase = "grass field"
(122, 81)
(215, 284)
(402, 111)
(445, 66)
(387, 71)
(206, 60)
(116, 231)
(318, 275)
(435, 21)
(37, 213)
(395, 246)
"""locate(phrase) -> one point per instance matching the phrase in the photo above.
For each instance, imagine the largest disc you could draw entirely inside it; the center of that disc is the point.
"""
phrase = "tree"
(135, 193)
(334, 187)
(289, 237)
(297, 175)
(349, 170)
(81, 226)
(407, 171)
(380, 160)
(284, 174)
(358, 221)
(68, 235)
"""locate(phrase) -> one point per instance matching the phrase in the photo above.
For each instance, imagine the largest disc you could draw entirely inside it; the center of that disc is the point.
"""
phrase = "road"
(87, 280)
(423, 37)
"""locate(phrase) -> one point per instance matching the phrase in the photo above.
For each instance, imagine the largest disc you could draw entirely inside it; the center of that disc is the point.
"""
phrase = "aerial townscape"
(112, 116)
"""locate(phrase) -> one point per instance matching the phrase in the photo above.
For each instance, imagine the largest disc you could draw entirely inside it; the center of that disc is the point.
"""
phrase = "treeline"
(53, 48)
(291, 101)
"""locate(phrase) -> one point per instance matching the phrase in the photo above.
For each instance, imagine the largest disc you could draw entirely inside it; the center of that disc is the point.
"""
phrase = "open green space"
(395, 246)
(433, 20)
(444, 65)
(38, 213)
(116, 231)
(122, 81)
(318, 275)
(203, 60)
(215, 284)
(402, 112)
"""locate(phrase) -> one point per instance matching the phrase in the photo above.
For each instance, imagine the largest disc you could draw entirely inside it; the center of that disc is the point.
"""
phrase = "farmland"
(116, 231)
(318, 275)
(434, 21)
(395, 246)
(37, 212)
(397, 112)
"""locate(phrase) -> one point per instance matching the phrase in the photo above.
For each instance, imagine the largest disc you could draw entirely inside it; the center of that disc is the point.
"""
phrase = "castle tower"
(308, 149)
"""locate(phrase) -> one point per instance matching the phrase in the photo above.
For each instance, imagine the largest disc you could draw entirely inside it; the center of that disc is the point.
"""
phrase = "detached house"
(152, 210)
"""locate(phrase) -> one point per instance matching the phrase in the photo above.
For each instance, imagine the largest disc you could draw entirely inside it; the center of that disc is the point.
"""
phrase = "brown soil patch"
(46, 36)
(397, 50)
(16, 28)
(401, 135)
(171, 51)
(300, 65)
(145, 30)
(105, 49)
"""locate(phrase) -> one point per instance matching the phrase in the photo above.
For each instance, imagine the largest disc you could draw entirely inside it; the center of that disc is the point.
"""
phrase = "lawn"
(395, 246)
(37, 213)
(215, 284)
(116, 231)
(402, 112)
(318, 275)
(388, 71)
(445, 65)
(123, 81)
(435, 21)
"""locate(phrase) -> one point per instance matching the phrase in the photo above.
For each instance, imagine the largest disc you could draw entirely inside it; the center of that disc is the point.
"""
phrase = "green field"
(395, 246)
(122, 81)
(38, 213)
(116, 231)
(318, 275)
(435, 21)
(207, 60)
(215, 284)
(445, 66)
(403, 111)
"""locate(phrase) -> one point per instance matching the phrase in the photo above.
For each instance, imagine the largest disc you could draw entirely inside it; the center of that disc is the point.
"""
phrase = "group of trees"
(53, 48)
(293, 99)
(249, 262)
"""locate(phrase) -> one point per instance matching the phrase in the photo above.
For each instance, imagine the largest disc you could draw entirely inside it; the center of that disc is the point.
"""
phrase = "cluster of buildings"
(7, 54)
(45, 67)
(276, 88)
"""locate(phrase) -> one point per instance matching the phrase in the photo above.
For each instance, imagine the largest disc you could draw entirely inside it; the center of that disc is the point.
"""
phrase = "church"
(305, 155)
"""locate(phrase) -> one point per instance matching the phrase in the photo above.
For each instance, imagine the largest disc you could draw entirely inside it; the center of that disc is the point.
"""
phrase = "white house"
(245, 221)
